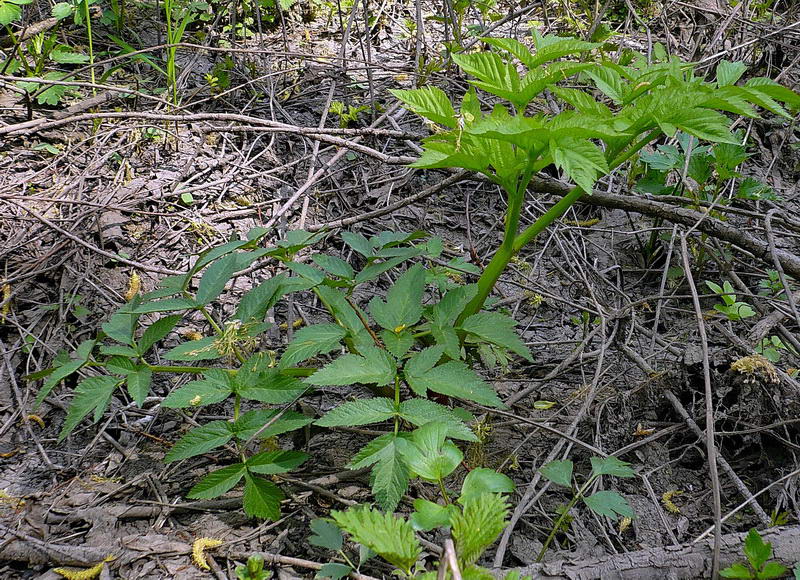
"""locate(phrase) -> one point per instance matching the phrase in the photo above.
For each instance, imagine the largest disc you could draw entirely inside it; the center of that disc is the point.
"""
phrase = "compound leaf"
(311, 341)
(92, 394)
(361, 412)
(217, 482)
(373, 366)
(610, 504)
(262, 498)
(391, 538)
(200, 440)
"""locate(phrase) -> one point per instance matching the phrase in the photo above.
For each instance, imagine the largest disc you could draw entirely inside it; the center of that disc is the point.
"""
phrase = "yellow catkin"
(192, 335)
(6, 310)
(666, 500)
(134, 285)
(36, 419)
(85, 574)
(583, 223)
(199, 547)
(624, 524)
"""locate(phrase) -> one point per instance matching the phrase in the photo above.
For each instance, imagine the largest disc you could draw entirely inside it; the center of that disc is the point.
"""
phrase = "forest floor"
(97, 188)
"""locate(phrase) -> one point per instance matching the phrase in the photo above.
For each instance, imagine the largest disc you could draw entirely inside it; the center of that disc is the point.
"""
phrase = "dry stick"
(449, 560)
(748, 501)
(777, 263)
(92, 247)
(711, 450)
(327, 106)
(556, 371)
(319, 173)
(746, 493)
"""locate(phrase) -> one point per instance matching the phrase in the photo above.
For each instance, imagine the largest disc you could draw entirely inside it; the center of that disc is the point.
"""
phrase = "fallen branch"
(675, 562)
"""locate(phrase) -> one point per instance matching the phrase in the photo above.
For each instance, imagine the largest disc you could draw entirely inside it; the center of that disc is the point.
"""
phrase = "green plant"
(604, 503)
(758, 566)
(177, 16)
(640, 102)
(730, 307)
(410, 349)
(475, 521)
(709, 170)
(11, 11)
(253, 570)
(772, 285)
(346, 114)
(771, 348)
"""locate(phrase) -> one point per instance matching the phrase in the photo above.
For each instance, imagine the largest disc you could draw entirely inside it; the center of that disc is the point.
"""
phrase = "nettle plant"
(402, 347)
(474, 521)
(609, 114)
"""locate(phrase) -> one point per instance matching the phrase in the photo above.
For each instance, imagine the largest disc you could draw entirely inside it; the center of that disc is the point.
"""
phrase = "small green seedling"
(771, 348)
(758, 567)
(253, 570)
(603, 503)
(730, 307)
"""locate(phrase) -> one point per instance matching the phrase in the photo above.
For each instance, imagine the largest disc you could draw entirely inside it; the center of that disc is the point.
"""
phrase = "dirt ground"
(613, 329)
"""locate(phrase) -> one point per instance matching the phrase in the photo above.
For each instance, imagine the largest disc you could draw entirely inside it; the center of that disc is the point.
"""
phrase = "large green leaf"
(348, 315)
(262, 498)
(215, 386)
(120, 327)
(156, 331)
(361, 412)
(611, 466)
(391, 538)
(477, 526)
(200, 440)
(203, 349)
(325, 535)
(373, 366)
(558, 471)
(217, 482)
(703, 124)
(311, 341)
(498, 329)
(58, 375)
(610, 504)
(580, 159)
(92, 394)
(430, 102)
(268, 423)
(272, 462)
(334, 265)
(454, 379)
(483, 480)
(494, 75)
(138, 382)
(429, 455)
(389, 472)
(254, 304)
(219, 274)
(551, 47)
(729, 72)
(421, 411)
(268, 386)
(403, 306)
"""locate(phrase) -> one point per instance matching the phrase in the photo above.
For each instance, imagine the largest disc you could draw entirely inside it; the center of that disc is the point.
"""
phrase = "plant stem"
(563, 516)
(508, 249)
(87, 15)
(179, 369)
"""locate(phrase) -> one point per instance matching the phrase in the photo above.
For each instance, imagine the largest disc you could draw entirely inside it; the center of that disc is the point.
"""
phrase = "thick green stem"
(513, 243)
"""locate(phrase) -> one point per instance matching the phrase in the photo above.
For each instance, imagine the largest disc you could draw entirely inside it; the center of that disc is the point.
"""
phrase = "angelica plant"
(612, 111)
